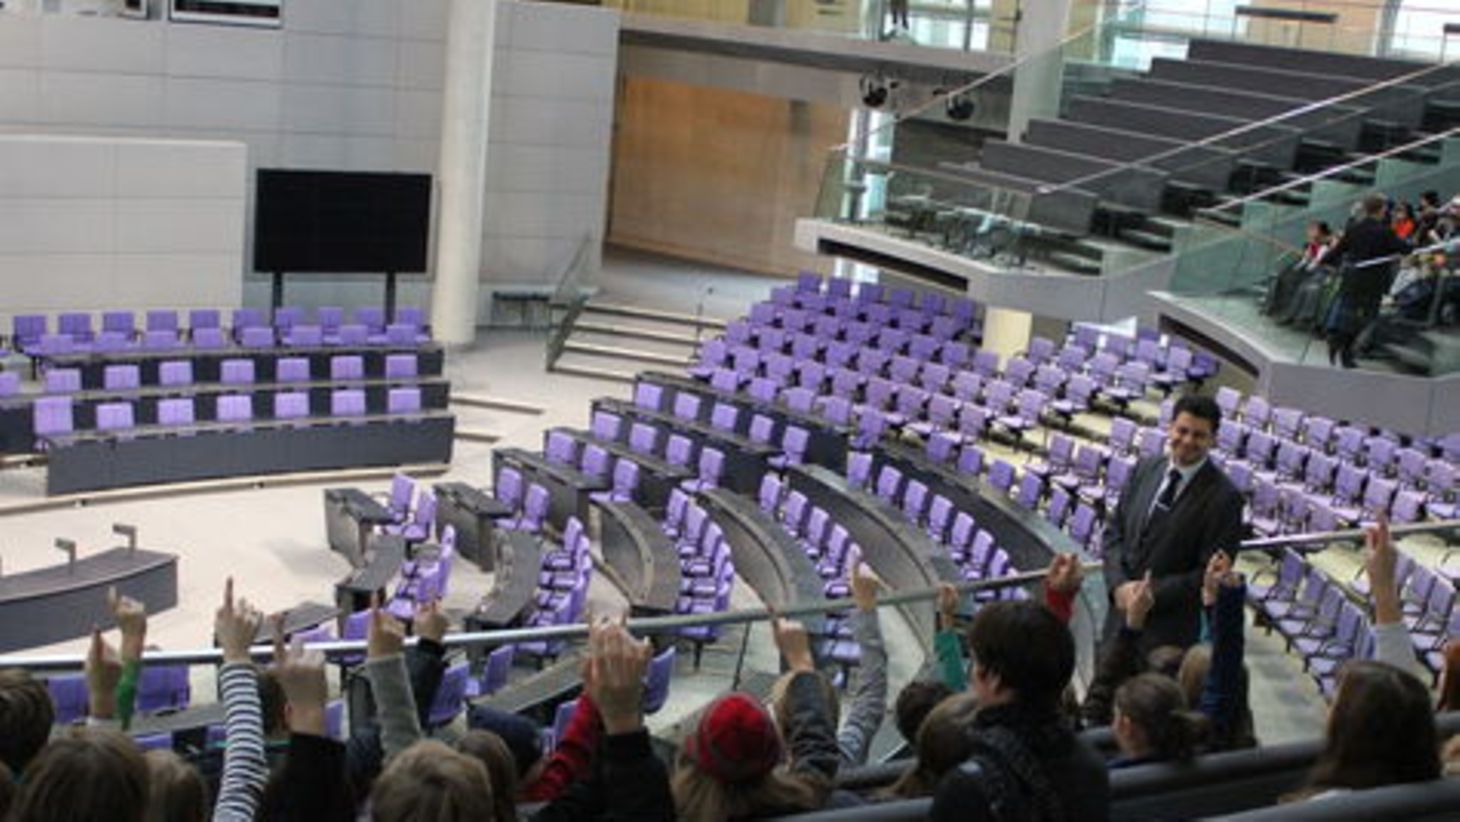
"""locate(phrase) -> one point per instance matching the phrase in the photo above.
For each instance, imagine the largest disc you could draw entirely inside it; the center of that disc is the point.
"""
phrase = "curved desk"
(827, 444)
(766, 557)
(64, 601)
(1030, 540)
(643, 557)
(568, 488)
(745, 459)
(519, 555)
(474, 514)
(901, 553)
(387, 553)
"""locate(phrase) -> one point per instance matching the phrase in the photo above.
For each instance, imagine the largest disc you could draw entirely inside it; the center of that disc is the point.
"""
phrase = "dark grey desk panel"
(557, 682)
(766, 557)
(642, 555)
(656, 476)
(301, 617)
(473, 513)
(568, 488)
(827, 444)
(902, 554)
(745, 459)
(387, 552)
(511, 597)
(207, 364)
(349, 516)
(93, 463)
(64, 601)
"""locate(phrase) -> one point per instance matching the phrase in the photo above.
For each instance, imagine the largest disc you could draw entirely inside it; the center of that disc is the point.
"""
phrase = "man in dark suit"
(1174, 513)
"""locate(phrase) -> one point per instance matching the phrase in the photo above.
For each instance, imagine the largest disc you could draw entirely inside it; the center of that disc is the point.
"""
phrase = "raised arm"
(385, 666)
(131, 618)
(868, 694)
(245, 767)
(952, 670)
(1392, 642)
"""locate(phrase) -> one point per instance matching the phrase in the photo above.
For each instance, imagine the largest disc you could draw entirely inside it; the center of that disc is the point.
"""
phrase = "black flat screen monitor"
(338, 221)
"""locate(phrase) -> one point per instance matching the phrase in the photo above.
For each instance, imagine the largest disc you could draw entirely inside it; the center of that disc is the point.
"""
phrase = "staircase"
(611, 341)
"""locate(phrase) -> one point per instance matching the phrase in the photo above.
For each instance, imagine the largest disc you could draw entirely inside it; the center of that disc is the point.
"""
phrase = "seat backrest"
(291, 405)
(235, 407)
(175, 411)
(292, 369)
(114, 416)
(348, 402)
(403, 400)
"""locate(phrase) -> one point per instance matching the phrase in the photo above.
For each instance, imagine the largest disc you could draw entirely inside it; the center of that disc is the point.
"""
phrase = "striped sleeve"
(245, 768)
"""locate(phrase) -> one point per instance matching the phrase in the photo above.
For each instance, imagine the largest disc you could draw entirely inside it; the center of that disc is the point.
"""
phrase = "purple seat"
(422, 521)
(52, 345)
(237, 372)
(606, 426)
(496, 673)
(209, 338)
(508, 486)
(9, 383)
(450, 696)
(534, 509)
(286, 317)
(403, 401)
(175, 411)
(162, 340)
(76, 325)
(625, 483)
(27, 330)
(678, 451)
(354, 335)
(794, 441)
(330, 317)
(62, 380)
(121, 377)
(110, 342)
(115, 416)
(711, 466)
(350, 402)
(1001, 475)
(255, 336)
(724, 416)
(769, 495)
(163, 320)
(235, 408)
(346, 367)
(596, 462)
(401, 366)
(163, 687)
(52, 416)
(199, 318)
(400, 335)
(292, 369)
(290, 405)
(304, 336)
(560, 448)
(643, 438)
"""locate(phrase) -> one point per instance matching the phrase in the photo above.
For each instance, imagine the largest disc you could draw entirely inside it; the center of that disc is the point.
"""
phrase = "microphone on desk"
(128, 531)
(69, 546)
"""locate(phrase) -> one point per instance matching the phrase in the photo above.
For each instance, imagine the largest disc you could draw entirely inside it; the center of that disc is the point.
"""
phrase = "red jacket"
(572, 759)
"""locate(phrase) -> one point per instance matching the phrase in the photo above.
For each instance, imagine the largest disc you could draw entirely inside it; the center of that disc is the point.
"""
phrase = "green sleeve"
(127, 691)
(951, 668)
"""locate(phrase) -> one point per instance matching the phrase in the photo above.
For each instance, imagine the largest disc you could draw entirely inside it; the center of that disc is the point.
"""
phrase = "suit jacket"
(1207, 517)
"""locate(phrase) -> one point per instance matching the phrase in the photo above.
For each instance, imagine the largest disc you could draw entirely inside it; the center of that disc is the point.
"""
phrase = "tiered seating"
(562, 591)
(707, 570)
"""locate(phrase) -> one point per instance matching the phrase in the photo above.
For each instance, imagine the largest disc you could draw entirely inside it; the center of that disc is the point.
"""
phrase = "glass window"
(1419, 30)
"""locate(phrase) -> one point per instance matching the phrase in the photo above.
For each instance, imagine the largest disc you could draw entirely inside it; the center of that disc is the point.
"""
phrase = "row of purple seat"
(213, 339)
(127, 376)
(54, 417)
(29, 329)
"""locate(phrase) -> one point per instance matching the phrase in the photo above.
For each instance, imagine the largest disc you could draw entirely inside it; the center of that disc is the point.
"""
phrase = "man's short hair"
(1374, 204)
(26, 714)
(1203, 408)
(916, 700)
(1027, 646)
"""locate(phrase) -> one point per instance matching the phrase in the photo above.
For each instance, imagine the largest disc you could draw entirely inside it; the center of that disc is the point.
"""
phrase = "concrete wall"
(95, 223)
(349, 85)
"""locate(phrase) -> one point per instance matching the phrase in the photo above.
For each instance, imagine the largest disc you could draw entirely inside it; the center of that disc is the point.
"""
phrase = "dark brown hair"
(84, 775)
(913, 704)
(1028, 647)
(26, 714)
(1450, 678)
(496, 757)
(1381, 731)
(1157, 706)
(943, 743)
(430, 782)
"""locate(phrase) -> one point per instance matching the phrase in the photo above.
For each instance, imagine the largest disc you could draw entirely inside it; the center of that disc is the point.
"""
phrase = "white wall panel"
(189, 226)
(424, 19)
(223, 104)
(20, 41)
(179, 169)
(39, 167)
(102, 44)
(215, 51)
(342, 60)
(56, 226)
(418, 114)
(421, 64)
(20, 94)
(102, 99)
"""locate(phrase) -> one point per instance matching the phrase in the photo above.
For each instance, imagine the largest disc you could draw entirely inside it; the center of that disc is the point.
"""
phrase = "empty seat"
(237, 372)
(115, 416)
(403, 401)
(400, 366)
(121, 377)
(347, 367)
(175, 411)
(292, 369)
(235, 408)
(348, 402)
(290, 405)
(175, 372)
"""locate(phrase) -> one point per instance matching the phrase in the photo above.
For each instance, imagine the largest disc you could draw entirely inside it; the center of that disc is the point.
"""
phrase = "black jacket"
(1207, 517)
(1368, 239)
(1075, 779)
(628, 783)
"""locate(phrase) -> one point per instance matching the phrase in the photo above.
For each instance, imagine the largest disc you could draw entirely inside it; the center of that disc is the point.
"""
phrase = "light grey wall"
(96, 222)
(347, 85)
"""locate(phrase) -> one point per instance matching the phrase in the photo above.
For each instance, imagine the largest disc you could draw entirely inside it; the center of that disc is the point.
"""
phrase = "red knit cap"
(736, 740)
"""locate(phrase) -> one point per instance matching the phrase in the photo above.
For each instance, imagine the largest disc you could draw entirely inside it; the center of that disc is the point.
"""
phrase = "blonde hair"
(430, 782)
(489, 749)
(943, 743)
(703, 798)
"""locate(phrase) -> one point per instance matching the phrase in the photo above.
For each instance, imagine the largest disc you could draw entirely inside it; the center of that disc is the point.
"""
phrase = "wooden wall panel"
(717, 175)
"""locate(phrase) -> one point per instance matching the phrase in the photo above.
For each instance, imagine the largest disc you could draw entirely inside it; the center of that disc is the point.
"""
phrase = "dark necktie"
(1164, 502)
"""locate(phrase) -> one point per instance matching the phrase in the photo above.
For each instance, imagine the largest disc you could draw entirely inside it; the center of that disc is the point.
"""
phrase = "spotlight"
(875, 90)
(959, 106)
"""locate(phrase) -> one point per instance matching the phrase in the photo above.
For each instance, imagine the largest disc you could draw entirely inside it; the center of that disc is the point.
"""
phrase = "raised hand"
(386, 636)
(300, 673)
(947, 604)
(1065, 575)
(1217, 569)
(1380, 559)
(617, 664)
(1139, 602)
(430, 621)
(103, 672)
(236, 625)
(131, 617)
(795, 645)
(864, 587)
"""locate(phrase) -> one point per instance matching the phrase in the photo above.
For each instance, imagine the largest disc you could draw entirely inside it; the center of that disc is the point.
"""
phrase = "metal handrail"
(1346, 535)
(642, 626)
